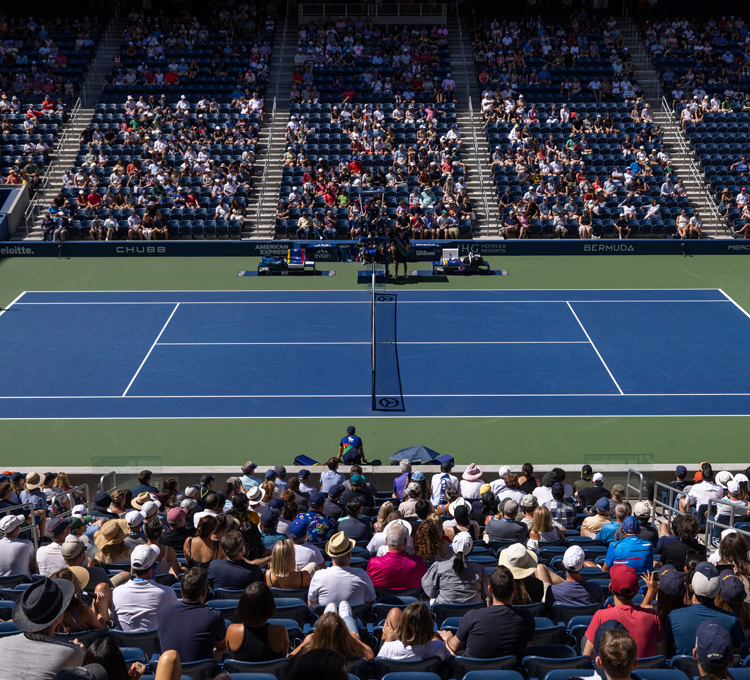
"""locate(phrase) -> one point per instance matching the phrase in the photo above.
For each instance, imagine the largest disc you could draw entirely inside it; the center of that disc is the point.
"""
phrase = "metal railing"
(720, 526)
(108, 482)
(695, 172)
(83, 489)
(668, 508)
(26, 509)
(309, 9)
(629, 485)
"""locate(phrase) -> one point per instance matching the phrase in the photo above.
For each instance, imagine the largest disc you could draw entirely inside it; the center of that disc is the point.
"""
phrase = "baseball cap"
(350, 429)
(706, 580)
(680, 470)
(713, 645)
(558, 490)
(297, 529)
(462, 543)
(280, 470)
(270, 516)
(316, 500)
(303, 474)
(191, 491)
(642, 509)
(175, 514)
(58, 525)
(10, 523)
(602, 504)
(586, 472)
(574, 558)
(618, 488)
(671, 581)
(271, 474)
(72, 547)
(78, 521)
(356, 480)
(730, 587)
(630, 525)
(529, 501)
(134, 518)
(598, 478)
(207, 479)
(188, 504)
(418, 476)
(277, 503)
(504, 470)
(733, 486)
(102, 499)
(149, 509)
(143, 556)
(624, 580)
(335, 491)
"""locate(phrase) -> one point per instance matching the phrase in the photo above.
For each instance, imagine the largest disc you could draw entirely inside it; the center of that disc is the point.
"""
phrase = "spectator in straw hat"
(340, 582)
(110, 540)
(141, 499)
(17, 555)
(40, 610)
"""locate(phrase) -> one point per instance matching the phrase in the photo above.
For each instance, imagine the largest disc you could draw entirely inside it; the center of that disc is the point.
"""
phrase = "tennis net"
(387, 394)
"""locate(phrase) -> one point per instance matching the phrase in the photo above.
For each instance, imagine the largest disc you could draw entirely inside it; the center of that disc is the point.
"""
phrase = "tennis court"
(307, 354)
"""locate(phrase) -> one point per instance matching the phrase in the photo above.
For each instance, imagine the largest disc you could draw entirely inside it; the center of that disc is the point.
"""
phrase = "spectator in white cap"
(150, 510)
(732, 496)
(471, 482)
(588, 496)
(135, 534)
(137, 602)
(498, 485)
(457, 581)
(574, 590)
(413, 494)
(17, 555)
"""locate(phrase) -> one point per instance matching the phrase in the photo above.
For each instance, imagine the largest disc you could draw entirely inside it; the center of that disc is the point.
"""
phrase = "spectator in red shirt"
(94, 199)
(397, 569)
(644, 625)
(355, 167)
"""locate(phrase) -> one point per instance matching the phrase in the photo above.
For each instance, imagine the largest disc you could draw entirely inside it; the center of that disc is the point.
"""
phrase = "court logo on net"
(608, 248)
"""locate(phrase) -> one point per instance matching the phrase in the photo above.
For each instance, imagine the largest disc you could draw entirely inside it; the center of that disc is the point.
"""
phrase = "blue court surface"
(297, 354)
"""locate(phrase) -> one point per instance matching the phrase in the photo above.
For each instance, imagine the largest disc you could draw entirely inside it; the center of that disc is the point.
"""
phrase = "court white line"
(360, 302)
(151, 349)
(343, 290)
(13, 302)
(410, 342)
(594, 346)
(734, 302)
(384, 417)
(369, 396)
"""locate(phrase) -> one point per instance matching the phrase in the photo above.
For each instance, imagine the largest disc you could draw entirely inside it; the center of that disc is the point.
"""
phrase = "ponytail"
(459, 562)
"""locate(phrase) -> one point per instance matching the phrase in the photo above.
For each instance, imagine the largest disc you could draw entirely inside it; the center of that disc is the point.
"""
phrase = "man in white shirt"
(340, 582)
(304, 487)
(17, 555)
(49, 557)
(441, 482)
(137, 602)
(498, 486)
(700, 493)
(304, 553)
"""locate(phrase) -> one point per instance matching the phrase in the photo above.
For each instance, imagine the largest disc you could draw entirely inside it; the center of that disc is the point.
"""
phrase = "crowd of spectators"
(42, 64)
(174, 156)
(502, 550)
(575, 151)
(373, 115)
(705, 69)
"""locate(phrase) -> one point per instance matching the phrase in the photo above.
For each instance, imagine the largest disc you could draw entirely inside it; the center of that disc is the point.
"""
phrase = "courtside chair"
(461, 666)
(660, 674)
(279, 668)
(383, 667)
(147, 640)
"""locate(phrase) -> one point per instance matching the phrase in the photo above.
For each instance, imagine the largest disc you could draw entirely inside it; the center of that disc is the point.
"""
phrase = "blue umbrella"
(415, 454)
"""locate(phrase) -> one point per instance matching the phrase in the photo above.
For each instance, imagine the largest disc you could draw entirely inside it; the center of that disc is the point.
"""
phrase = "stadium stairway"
(64, 155)
(268, 170)
(474, 151)
(679, 152)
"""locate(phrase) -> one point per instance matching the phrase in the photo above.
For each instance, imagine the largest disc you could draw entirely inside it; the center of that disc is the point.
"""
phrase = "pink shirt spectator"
(396, 571)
